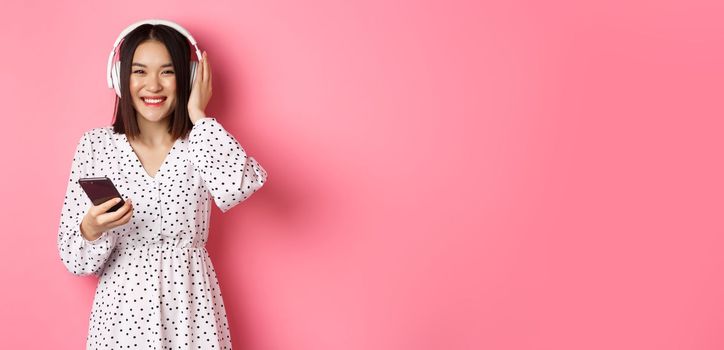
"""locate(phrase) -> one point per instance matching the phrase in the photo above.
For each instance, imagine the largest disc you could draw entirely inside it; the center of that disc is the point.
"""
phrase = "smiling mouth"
(153, 102)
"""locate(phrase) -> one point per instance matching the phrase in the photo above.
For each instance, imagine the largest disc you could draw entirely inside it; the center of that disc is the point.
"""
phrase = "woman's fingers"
(201, 91)
(103, 207)
(197, 79)
(115, 215)
(207, 72)
(126, 217)
(203, 65)
(208, 69)
(200, 70)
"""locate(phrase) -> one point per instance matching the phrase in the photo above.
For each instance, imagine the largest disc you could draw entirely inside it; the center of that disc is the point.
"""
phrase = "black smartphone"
(101, 189)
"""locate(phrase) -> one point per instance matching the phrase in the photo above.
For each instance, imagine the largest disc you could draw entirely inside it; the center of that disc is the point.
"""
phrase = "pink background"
(443, 175)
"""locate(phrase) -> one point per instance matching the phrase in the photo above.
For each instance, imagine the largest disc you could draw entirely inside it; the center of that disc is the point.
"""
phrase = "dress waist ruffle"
(127, 252)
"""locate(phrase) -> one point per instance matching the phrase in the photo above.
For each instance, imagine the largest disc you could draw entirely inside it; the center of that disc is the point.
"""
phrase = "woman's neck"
(154, 134)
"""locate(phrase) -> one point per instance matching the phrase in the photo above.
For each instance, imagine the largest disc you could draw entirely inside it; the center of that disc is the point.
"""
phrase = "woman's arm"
(229, 174)
(80, 255)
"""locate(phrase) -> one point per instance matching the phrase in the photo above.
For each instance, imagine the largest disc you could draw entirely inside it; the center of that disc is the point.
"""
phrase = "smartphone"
(101, 189)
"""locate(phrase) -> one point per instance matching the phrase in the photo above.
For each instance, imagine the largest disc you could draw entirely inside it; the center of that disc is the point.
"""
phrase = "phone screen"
(100, 190)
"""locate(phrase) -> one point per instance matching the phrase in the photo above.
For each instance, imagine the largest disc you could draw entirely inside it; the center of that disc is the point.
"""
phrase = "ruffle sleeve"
(230, 175)
(79, 255)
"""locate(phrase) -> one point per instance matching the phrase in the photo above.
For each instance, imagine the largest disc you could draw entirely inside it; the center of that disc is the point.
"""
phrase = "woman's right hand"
(96, 220)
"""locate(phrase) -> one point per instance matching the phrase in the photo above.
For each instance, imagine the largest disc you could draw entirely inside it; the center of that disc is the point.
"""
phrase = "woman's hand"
(96, 220)
(201, 90)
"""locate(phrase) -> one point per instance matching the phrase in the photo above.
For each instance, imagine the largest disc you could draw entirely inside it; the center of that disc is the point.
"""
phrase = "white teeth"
(153, 101)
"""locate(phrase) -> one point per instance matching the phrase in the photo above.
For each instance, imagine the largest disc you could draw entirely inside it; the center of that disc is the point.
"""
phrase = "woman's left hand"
(201, 90)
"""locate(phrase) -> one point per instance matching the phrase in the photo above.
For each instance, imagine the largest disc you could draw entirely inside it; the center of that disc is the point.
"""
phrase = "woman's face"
(153, 81)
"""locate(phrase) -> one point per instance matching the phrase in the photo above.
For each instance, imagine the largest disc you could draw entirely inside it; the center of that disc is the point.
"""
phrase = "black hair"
(180, 50)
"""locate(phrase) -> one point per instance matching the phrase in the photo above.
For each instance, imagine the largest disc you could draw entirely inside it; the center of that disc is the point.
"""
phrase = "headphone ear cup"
(115, 74)
(193, 72)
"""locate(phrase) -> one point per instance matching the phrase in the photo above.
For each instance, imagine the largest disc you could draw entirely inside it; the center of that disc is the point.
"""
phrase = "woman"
(157, 287)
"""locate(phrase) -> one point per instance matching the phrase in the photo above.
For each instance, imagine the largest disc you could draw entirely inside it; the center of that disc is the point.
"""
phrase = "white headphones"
(114, 70)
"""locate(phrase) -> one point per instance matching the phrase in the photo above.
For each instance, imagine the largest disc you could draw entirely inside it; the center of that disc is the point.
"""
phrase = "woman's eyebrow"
(144, 66)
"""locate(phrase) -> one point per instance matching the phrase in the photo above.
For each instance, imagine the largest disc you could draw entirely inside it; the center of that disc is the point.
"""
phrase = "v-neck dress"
(157, 288)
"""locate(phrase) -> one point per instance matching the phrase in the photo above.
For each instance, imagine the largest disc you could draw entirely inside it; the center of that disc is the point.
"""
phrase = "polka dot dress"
(157, 287)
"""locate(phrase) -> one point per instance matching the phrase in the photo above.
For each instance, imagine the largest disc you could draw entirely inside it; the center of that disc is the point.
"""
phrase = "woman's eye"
(140, 71)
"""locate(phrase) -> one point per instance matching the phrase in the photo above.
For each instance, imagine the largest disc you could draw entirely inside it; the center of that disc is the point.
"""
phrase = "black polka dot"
(157, 287)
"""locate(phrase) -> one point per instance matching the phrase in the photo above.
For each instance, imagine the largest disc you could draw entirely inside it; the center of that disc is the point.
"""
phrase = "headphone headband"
(135, 25)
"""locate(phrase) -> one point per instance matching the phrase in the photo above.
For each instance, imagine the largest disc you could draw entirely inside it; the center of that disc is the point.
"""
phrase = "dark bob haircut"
(179, 48)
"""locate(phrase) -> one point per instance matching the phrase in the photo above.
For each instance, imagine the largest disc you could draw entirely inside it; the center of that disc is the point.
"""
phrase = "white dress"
(157, 288)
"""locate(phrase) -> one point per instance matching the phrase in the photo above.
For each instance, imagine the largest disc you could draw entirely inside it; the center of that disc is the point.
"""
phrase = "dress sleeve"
(80, 256)
(228, 173)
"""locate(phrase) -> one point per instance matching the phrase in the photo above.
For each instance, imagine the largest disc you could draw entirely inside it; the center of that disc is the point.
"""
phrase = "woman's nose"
(153, 84)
